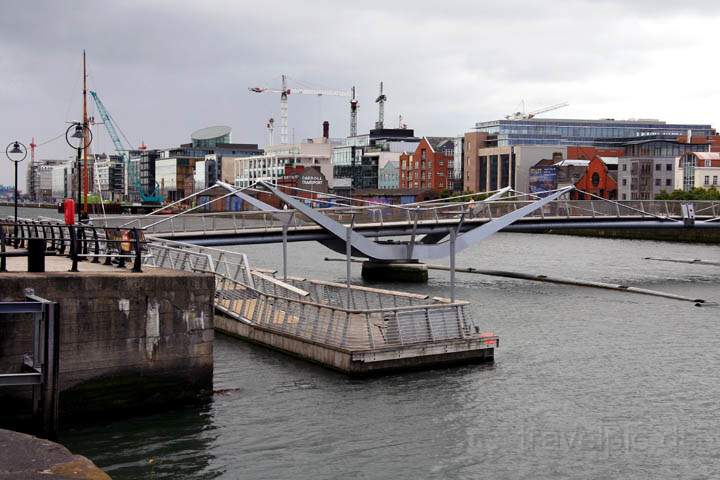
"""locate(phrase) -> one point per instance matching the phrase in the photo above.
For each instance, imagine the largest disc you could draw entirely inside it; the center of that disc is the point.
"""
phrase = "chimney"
(326, 130)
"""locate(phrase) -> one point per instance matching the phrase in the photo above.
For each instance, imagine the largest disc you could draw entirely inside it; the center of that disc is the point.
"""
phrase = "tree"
(711, 193)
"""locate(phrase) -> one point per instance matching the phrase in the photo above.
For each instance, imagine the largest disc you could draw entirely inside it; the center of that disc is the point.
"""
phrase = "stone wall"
(128, 341)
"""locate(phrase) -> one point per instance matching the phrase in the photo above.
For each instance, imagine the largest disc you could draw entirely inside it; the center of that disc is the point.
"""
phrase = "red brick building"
(430, 166)
(597, 180)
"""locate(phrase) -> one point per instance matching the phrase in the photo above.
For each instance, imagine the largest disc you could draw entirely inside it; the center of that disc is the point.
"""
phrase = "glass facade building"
(598, 133)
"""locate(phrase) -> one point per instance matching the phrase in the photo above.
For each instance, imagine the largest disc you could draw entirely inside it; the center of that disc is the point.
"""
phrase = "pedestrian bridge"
(372, 229)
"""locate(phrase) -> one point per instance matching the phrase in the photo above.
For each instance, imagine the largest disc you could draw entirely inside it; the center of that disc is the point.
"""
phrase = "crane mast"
(380, 100)
(353, 114)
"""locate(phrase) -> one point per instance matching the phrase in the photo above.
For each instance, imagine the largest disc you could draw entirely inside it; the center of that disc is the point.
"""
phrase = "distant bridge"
(425, 226)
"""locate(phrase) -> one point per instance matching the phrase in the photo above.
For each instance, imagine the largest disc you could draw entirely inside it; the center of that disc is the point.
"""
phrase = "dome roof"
(211, 132)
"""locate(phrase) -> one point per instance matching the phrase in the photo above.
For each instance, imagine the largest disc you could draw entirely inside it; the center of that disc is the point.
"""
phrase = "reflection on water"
(587, 384)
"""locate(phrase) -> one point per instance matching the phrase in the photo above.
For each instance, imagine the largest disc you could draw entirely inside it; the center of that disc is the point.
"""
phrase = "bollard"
(137, 266)
(36, 254)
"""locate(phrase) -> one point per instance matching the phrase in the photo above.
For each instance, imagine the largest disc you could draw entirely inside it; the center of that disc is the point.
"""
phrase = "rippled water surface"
(587, 384)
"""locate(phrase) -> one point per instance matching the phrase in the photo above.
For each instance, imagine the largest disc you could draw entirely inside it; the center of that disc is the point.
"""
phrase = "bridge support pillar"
(400, 271)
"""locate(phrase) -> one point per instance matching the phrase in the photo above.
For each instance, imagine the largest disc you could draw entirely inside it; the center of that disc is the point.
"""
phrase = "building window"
(668, 167)
(423, 154)
(668, 182)
(657, 167)
(715, 179)
(624, 182)
(624, 168)
(707, 179)
(657, 182)
(624, 197)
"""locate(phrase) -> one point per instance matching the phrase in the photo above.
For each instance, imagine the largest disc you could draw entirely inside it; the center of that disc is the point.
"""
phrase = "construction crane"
(353, 114)
(284, 91)
(526, 116)
(120, 148)
(380, 100)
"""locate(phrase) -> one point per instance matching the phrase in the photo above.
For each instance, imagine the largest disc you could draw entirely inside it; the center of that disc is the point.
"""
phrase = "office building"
(599, 133)
(500, 153)
(357, 163)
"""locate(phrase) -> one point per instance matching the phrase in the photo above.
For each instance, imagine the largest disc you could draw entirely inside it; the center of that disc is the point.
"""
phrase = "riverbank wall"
(129, 342)
(688, 235)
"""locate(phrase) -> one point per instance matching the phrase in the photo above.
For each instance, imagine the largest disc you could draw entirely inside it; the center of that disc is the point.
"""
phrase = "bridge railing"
(359, 318)
(351, 329)
(263, 221)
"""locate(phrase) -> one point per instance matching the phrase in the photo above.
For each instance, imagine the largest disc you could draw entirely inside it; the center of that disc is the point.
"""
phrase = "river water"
(586, 384)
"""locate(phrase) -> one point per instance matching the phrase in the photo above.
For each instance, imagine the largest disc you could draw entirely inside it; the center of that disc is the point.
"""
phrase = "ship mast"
(85, 139)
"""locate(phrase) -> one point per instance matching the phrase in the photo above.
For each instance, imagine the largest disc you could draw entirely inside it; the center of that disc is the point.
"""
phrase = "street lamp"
(81, 138)
(16, 154)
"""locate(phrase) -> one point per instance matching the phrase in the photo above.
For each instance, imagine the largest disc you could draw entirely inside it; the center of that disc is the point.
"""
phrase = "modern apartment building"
(650, 166)
(430, 166)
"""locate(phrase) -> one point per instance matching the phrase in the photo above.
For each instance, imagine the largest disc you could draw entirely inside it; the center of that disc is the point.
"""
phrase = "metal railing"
(78, 242)
(318, 311)
(560, 209)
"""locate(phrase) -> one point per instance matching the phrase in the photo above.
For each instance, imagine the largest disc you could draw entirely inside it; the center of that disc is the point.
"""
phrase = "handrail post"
(137, 266)
(348, 256)
(96, 258)
(73, 248)
(453, 236)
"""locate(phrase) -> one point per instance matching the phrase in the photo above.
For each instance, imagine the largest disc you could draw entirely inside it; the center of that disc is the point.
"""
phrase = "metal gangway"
(354, 318)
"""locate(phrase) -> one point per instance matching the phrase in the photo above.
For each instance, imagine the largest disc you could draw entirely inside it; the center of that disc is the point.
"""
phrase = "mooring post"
(453, 236)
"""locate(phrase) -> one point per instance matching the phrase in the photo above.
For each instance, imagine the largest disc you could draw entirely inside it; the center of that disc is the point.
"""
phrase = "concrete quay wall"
(689, 235)
(129, 341)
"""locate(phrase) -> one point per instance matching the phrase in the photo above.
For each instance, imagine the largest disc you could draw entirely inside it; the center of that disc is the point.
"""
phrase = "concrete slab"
(26, 457)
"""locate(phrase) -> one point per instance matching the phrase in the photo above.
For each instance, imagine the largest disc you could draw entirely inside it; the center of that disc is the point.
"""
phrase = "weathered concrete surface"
(362, 363)
(129, 341)
(24, 457)
(394, 272)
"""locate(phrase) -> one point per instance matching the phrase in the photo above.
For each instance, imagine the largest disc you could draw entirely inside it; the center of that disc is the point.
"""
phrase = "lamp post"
(82, 136)
(16, 153)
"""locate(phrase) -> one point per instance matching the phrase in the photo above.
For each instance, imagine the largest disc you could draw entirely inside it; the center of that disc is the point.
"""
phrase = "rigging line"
(39, 144)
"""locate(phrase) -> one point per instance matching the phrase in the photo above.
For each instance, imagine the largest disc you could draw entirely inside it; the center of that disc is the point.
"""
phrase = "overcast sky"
(166, 68)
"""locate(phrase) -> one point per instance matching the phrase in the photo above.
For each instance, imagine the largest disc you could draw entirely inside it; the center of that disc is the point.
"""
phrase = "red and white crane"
(284, 91)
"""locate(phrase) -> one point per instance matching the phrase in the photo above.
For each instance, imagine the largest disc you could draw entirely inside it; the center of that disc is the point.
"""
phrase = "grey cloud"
(165, 68)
